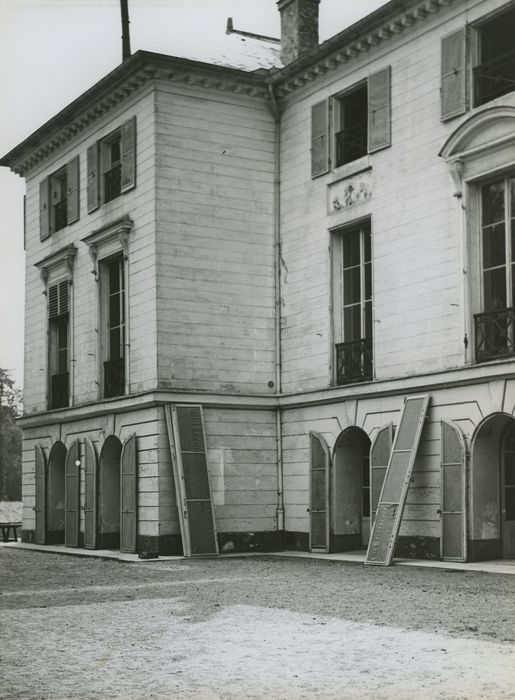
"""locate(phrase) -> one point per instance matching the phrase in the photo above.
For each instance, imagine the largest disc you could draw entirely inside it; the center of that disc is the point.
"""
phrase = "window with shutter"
(112, 165)
(112, 305)
(494, 75)
(59, 199)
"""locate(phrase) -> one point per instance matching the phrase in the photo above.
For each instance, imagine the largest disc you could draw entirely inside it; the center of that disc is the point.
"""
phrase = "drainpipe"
(277, 287)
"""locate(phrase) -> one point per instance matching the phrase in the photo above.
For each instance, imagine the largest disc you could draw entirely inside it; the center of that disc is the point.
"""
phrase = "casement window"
(352, 303)
(351, 124)
(111, 165)
(113, 315)
(59, 199)
(495, 326)
(58, 343)
(478, 60)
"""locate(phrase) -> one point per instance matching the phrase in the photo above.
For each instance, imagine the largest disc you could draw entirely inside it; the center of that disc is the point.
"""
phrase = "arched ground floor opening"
(55, 495)
(108, 496)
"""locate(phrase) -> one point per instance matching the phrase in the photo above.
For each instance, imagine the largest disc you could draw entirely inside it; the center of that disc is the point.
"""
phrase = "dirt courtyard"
(257, 628)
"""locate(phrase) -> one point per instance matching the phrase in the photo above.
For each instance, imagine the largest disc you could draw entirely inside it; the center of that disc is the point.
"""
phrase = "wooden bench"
(9, 529)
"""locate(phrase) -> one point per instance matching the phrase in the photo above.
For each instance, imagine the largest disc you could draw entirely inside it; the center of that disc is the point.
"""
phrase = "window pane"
(114, 310)
(493, 202)
(351, 285)
(115, 152)
(494, 246)
(367, 244)
(495, 289)
(352, 323)
(114, 277)
(114, 344)
(351, 255)
(368, 280)
(368, 319)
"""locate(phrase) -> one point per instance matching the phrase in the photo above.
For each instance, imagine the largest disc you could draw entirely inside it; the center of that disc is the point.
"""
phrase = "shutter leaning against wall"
(44, 218)
(379, 110)
(128, 155)
(72, 195)
(92, 184)
(453, 74)
(320, 138)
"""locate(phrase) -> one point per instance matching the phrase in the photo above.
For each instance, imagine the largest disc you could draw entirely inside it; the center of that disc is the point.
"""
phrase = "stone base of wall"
(55, 537)
(298, 541)
(27, 536)
(267, 541)
(345, 543)
(417, 547)
(482, 550)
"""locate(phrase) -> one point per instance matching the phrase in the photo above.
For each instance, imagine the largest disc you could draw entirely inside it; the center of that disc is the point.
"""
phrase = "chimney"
(299, 27)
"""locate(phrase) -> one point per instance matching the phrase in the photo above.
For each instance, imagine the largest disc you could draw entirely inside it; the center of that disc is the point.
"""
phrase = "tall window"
(495, 74)
(113, 271)
(351, 137)
(495, 327)
(58, 338)
(352, 302)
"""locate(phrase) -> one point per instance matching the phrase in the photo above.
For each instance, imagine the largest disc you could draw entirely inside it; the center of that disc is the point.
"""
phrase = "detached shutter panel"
(40, 504)
(44, 217)
(72, 196)
(92, 165)
(379, 111)
(319, 138)
(128, 496)
(319, 494)
(71, 496)
(379, 456)
(128, 155)
(453, 78)
(453, 523)
(90, 495)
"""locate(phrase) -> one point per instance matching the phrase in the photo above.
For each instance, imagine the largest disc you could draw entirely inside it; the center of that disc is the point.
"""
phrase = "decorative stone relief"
(349, 192)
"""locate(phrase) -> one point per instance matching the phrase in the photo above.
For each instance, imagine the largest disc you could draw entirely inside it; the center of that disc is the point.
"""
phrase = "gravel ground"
(257, 628)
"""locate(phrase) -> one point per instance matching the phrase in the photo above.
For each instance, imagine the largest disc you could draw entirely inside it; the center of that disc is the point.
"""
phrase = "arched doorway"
(56, 494)
(350, 492)
(492, 531)
(109, 494)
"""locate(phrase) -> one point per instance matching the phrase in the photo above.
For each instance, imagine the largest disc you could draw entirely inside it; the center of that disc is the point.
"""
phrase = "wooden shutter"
(128, 155)
(320, 138)
(92, 184)
(58, 298)
(72, 495)
(40, 495)
(396, 482)
(319, 494)
(379, 456)
(44, 215)
(188, 449)
(453, 537)
(72, 195)
(90, 495)
(379, 110)
(128, 496)
(453, 74)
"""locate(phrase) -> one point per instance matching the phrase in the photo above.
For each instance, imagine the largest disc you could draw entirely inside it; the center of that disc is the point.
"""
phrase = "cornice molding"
(349, 44)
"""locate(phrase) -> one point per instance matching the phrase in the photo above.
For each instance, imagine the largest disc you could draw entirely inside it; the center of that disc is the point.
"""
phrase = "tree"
(10, 439)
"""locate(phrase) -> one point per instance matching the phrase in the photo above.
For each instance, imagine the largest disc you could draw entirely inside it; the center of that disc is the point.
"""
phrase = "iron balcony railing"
(354, 361)
(495, 334)
(494, 78)
(351, 144)
(59, 390)
(112, 183)
(114, 378)
(61, 215)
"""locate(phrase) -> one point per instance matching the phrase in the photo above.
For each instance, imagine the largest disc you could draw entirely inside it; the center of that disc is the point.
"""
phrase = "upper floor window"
(478, 64)
(352, 303)
(351, 124)
(59, 199)
(58, 343)
(112, 165)
(112, 309)
(495, 326)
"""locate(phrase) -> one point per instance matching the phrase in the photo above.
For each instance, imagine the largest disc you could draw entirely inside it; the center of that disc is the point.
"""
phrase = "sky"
(51, 51)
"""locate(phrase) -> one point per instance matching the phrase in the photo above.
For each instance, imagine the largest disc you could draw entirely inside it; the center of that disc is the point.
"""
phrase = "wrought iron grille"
(59, 390)
(495, 334)
(354, 361)
(494, 78)
(112, 182)
(351, 144)
(61, 215)
(114, 378)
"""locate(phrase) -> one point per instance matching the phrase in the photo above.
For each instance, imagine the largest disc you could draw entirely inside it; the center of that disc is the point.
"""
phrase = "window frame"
(337, 111)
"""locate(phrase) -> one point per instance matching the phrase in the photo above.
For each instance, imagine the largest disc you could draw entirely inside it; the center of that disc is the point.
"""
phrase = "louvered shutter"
(92, 184)
(90, 494)
(40, 495)
(319, 138)
(58, 299)
(128, 155)
(379, 456)
(72, 196)
(71, 495)
(379, 111)
(453, 76)
(128, 496)
(452, 509)
(319, 494)
(44, 216)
